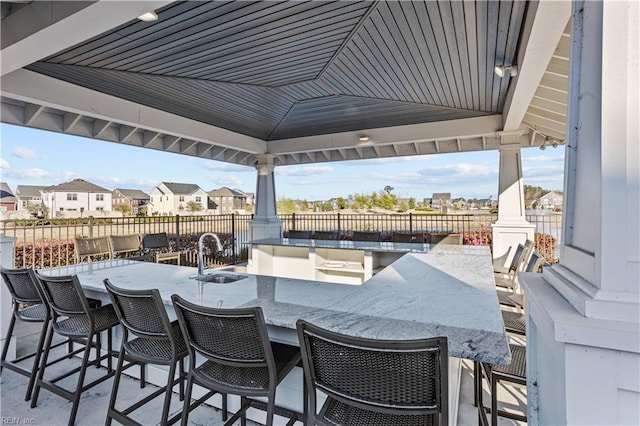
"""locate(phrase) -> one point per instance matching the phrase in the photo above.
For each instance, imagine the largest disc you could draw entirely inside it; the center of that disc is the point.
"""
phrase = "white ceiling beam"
(69, 120)
(99, 127)
(31, 112)
(170, 141)
(43, 28)
(544, 25)
(36, 88)
(463, 128)
(125, 132)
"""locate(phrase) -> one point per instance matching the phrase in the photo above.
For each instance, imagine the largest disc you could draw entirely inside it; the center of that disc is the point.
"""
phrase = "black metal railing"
(49, 242)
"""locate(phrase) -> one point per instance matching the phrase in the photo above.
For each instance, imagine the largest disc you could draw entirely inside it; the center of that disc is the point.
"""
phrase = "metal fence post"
(293, 221)
(233, 238)
(177, 232)
(339, 227)
(90, 226)
(410, 223)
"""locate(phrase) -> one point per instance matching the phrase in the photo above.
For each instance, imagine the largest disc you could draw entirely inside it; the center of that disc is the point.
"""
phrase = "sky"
(38, 157)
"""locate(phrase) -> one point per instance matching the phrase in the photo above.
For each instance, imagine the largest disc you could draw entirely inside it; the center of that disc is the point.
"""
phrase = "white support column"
(265, 223)
(6, 259)
(583, 326)
(511, 227)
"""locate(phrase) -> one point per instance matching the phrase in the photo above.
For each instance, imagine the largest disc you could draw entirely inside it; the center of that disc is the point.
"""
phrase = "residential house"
(459, 203)
(77, 198)
(29, 196)
(8, 200)
(170, 198)
(135, 199)
(228, 200)
(485, 204)
(250, 196)
(441, 201)
(551, 200)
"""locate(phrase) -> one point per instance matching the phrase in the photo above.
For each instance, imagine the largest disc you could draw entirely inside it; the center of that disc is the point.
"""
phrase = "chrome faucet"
(201, 267)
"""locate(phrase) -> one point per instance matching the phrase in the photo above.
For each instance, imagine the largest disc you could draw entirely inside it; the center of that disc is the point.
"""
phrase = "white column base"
(265, 228)
(579, 370)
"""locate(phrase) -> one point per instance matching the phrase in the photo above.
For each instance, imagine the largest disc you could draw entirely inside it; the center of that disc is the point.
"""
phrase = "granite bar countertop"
(376, 246)
(447, 291)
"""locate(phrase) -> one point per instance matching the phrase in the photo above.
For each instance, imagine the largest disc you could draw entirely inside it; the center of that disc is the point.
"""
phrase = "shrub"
(43, 254)
(547, 246)
(481, 237)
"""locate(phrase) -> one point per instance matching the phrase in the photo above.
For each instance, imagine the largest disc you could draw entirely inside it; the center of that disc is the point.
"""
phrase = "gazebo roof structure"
(304, 81)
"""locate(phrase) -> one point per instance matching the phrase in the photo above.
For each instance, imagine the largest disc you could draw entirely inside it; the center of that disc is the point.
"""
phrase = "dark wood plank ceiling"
(277, 70)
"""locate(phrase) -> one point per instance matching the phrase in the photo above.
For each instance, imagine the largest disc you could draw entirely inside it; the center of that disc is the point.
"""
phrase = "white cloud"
(388, 160)
(22, 152)
(4, 164)
(304, 170)
(227, 167)
(544, 159)
(460, 171)
(226, 180)
(27, 173)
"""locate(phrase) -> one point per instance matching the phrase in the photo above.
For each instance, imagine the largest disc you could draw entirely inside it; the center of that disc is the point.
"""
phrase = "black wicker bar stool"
(238, 358)
(72, 317)
(148, 338)
(26, 305)
(375, 382)
(515, 372)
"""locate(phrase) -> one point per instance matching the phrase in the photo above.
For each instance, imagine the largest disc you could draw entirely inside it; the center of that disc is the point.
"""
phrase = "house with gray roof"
(171, 198)
(134, 199)
(228, 200)
(8, 200)
(77, 198)
(29, 195)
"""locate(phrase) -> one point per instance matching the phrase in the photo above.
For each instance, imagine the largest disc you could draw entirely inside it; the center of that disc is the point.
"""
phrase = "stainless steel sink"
(219, 278)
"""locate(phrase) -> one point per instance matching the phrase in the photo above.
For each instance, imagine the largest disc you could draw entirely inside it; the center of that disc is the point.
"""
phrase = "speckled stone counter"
(448, 291)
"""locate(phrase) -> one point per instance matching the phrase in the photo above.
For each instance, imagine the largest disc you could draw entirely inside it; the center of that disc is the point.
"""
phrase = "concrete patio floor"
(53, 410)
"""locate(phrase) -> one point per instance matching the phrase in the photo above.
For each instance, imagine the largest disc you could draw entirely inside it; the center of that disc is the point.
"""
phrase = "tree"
(388, 189)
(360, 201)
(375, 201)
(193, 207)
(124, 209)
(387, 201)
(286, 206)
(342, 203)
(35, 210)
(412, 203)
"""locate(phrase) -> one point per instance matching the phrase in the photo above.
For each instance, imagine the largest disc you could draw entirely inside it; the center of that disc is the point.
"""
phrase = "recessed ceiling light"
(148, 17)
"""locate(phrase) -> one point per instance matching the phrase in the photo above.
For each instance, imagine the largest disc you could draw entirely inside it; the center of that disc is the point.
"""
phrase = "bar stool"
(27, 306)
(72, 317)
(375, 382)
(515, 372)
(238, 358)
(148, 338)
